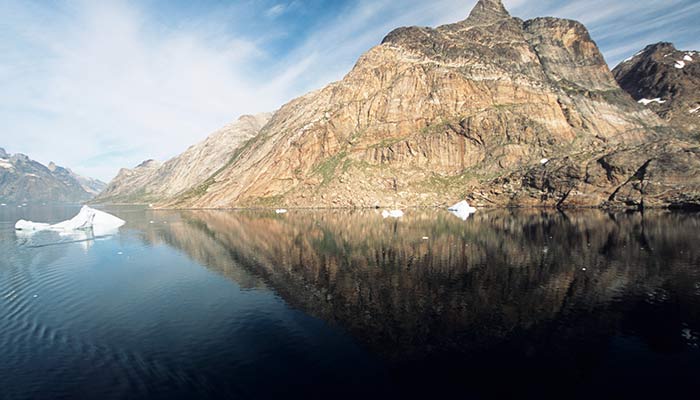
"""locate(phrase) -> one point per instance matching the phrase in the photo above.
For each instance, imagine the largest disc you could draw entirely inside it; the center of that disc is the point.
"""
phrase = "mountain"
(90, 185)
(23, 180)
(494, 109)
(151, 181)
(667, 81)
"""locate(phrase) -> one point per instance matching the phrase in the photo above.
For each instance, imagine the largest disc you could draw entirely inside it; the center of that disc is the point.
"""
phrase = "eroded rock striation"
(465, 110)
(152, 181)
(23, 180)
(667, 81)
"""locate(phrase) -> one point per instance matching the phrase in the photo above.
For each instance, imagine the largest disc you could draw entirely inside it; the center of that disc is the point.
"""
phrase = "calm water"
(310, 304)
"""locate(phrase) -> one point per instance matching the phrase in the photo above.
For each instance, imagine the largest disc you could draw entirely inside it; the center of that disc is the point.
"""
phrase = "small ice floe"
(544, 161)
(694, 110)
(98, 222)
(392, 214)
(462, 210)
(120, 253)
(688, 58)
(646, 102)
(280, 211)
(679, 64)
(2, 204)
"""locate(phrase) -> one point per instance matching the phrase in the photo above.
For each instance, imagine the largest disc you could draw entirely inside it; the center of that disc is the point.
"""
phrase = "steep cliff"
(483, 109)
(152, 181)
(23, 180)
(667, 81)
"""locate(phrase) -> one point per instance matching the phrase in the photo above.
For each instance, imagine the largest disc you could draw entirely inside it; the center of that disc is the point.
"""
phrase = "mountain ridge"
(493, 109)
(23, 180)
(665, 80)
(152, 181)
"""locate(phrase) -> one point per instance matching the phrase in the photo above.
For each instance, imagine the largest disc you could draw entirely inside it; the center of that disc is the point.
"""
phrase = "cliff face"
(152, 181)
(665, 80)
(469, 109)
(23, 180)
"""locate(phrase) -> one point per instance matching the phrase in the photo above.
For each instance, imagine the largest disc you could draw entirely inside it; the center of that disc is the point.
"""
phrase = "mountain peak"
(150, 163)
(3, 154)
(52, 166)
(488, 11)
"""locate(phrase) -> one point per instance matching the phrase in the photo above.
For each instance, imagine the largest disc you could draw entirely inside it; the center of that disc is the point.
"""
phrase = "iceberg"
(462, 210)
(88, 219)
(392, 214)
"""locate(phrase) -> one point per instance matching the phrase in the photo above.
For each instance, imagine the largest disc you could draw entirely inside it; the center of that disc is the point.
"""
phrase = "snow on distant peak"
(634, 56)
(5, 163)
(687, 57)
(646, 102)
(679, 64)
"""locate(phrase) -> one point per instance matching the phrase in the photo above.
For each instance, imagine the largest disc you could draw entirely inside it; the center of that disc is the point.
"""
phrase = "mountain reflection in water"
(536, 285)
(509, 302)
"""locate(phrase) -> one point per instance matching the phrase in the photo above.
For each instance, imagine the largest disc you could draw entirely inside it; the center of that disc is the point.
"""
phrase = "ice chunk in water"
(392, 214)
(99, 222)
(462, 210)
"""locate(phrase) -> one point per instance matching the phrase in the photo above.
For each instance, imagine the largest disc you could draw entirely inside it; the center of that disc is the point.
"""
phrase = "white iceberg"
(392, 214)
(99, 222)
(280, 211)
(462, 210)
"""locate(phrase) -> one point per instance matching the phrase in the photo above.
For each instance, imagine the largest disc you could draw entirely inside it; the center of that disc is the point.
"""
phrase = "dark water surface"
(204, 304)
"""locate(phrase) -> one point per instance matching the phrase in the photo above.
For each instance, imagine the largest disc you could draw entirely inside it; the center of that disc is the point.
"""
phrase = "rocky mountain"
(151, 181)
(667, 81)
(494, 109)
(90, 185)
(23, 180)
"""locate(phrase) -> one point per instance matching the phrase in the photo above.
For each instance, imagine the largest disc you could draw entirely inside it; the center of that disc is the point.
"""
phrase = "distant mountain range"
(23, 180)
(494, 109)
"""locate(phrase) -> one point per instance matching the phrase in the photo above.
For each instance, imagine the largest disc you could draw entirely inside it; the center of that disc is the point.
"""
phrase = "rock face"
(23, 180)
(665, 80)
(151, 181)
(466, 110)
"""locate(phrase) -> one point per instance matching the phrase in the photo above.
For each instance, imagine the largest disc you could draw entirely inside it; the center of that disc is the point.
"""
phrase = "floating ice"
(462, 210)
(2, 204)
(99, 222)
(646, 102)
(679, 64)
(280, 211)
(392, 214)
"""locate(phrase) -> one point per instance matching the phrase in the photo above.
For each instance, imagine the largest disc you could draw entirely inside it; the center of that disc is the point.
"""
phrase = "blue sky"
(100, 85)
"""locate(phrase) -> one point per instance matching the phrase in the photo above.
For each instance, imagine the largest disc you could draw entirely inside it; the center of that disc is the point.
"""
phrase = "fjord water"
(250, 304)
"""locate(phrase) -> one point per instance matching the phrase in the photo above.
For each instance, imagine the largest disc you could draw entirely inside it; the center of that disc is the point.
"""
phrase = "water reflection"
(538, 279)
